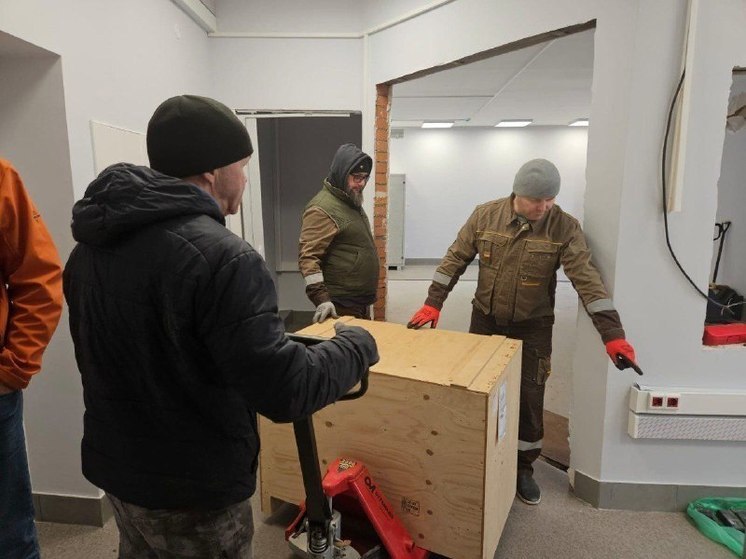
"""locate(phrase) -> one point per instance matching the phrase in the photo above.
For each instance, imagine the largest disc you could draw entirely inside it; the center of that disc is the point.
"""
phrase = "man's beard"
(356, 197)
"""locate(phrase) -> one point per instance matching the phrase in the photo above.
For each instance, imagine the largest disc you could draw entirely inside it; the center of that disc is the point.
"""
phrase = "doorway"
(444, 139)
(728, 265)
(295, 151)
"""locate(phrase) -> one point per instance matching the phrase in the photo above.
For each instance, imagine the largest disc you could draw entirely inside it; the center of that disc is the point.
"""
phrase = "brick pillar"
(381, 201)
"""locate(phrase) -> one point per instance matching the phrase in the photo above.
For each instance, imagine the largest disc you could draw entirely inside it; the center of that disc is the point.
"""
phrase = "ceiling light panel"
(516, 123)
(437, 124)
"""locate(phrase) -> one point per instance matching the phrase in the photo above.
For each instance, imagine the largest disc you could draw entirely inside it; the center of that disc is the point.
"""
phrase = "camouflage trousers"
(171, 534)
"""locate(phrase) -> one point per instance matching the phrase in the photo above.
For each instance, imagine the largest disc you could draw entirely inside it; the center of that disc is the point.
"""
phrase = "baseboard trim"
(88, 511)
(646, 496)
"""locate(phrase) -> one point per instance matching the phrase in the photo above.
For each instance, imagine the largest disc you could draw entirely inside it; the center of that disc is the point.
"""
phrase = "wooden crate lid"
(431, 355)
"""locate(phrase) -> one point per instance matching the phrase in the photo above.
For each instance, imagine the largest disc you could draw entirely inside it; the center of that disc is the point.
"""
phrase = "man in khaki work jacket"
(521, 241)
(337, 255)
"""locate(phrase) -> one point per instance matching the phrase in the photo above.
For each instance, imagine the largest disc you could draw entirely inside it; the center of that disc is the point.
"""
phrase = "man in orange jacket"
(30, 307)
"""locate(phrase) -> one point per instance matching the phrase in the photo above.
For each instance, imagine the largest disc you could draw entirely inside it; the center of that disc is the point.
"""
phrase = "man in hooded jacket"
(179, 343)
(337, 255)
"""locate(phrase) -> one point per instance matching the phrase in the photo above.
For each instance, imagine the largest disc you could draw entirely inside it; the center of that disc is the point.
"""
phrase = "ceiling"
(549, 83)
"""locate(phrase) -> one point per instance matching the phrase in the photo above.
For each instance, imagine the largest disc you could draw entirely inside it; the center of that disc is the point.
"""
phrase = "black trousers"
(358, 311)
(536, 335)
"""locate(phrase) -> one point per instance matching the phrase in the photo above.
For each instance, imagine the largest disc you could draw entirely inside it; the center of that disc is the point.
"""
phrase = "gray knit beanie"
(537, 178)
(188, 135)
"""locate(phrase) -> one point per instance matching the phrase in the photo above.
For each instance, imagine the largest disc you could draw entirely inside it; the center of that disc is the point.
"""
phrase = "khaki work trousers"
(536, 335)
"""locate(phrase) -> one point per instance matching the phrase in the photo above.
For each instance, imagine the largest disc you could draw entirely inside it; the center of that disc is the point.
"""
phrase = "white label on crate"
(502, 410)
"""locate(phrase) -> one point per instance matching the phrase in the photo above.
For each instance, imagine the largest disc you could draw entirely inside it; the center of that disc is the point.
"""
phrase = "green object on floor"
(704, 512)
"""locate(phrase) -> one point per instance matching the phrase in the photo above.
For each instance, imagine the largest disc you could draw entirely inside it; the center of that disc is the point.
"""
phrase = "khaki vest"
(350, 265)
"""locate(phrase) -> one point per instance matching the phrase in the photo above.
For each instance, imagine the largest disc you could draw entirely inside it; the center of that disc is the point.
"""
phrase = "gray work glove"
(324, 311)
(361, 338)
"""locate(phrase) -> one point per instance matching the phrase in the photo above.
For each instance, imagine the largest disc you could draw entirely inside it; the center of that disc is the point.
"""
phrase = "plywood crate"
(438, 430)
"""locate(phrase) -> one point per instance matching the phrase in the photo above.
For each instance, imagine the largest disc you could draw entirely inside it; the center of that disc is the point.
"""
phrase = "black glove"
(361, 338)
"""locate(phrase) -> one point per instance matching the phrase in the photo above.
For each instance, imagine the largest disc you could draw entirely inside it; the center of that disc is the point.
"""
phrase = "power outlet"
(672, 401)
(656, 400)
(664, 401)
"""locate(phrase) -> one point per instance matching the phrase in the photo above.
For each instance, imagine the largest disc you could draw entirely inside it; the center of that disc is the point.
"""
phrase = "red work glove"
(423, 316)
(620, 347)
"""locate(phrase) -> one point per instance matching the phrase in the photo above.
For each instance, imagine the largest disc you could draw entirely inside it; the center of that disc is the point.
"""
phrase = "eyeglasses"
(360, 177)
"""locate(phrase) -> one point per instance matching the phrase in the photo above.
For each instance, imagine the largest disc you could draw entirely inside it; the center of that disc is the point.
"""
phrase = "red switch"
(672, 402)
(657, 402)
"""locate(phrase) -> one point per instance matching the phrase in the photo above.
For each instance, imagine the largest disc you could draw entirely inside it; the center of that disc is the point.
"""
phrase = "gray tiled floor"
(561, 527)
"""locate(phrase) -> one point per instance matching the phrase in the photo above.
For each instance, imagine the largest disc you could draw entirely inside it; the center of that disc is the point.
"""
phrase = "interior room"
(603, 85)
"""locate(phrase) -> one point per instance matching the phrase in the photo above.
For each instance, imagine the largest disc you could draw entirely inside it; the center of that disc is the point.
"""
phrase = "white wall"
(324, 16)
(637, 58)
(318, 74)
(287, 16)
(451, 171)
(33, 136)
(732, 205)
(118, 62)
(663, 314)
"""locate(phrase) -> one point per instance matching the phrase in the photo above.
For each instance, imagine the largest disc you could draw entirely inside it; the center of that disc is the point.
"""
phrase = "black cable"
(723, 308)
(722, 230)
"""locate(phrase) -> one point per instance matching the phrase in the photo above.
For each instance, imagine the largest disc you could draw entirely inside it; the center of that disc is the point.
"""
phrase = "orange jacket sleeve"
(30, 282)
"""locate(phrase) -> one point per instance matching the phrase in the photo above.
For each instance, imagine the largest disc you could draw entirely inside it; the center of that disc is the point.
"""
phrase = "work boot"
(527, 489)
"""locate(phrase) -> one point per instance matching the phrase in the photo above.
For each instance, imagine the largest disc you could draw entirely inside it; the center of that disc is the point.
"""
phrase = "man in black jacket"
(179, 343)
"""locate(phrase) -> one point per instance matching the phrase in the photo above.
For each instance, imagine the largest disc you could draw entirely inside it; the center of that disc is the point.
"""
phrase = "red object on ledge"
(723, 334)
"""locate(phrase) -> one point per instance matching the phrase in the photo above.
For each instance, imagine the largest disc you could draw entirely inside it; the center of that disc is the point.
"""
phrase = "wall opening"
(295, 155)
(446, 172)
(728, 265)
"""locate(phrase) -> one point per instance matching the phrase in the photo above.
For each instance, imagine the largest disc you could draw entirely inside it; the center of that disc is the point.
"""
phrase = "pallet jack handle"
(318, 509)
(308, 340)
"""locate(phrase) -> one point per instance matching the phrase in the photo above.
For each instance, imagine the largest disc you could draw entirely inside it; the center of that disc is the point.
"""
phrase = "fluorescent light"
(513, 123)
(579, 122)
(437, 124)
(405, 123)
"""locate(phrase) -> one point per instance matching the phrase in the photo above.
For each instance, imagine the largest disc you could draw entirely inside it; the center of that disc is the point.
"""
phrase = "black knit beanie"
(189, 135)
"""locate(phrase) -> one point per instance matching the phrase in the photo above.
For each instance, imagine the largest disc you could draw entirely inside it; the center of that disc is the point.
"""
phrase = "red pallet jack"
(371, 529)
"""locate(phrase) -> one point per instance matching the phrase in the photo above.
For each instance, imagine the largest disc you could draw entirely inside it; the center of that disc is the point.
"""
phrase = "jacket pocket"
(342, 255)
(485, 287)
(539, 260)
(536, 368)
(491, 246)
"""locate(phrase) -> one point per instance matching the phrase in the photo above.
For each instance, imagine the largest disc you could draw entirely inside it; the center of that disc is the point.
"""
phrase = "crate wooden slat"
(428, 430)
